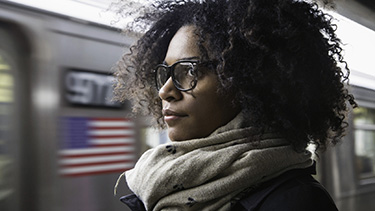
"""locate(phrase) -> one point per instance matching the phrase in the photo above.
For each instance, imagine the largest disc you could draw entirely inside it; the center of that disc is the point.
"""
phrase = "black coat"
(295, 190)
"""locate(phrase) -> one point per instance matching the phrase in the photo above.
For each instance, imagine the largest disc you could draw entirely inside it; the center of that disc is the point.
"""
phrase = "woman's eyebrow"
(189, 58)
(182, 59)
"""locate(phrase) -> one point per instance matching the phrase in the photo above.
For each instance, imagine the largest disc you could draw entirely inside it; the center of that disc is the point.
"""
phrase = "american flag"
(96, 146)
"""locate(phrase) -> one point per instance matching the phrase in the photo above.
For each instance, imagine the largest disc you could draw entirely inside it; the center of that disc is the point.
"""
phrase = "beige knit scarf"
(210, 173)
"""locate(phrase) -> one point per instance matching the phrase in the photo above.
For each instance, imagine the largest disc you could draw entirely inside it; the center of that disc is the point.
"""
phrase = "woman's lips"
(171, 116)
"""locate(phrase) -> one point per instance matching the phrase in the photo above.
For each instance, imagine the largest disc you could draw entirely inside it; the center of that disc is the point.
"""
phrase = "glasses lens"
(185, 75)
(162, 76)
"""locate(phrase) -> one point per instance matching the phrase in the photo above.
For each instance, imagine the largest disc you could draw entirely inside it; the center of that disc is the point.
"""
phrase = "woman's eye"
(191, 72)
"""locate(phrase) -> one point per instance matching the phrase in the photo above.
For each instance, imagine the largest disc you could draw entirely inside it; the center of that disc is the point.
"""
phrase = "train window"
(6, 108)
(6, 81)
(364, 134)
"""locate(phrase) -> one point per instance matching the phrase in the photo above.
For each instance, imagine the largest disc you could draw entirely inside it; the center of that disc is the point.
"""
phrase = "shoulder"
(303, 193)
(293, 190)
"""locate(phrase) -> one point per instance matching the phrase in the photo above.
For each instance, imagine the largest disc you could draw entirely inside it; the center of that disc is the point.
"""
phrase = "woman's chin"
(179, 134)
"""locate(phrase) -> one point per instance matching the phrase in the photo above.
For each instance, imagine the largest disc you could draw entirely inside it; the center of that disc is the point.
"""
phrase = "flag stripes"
(96, 146)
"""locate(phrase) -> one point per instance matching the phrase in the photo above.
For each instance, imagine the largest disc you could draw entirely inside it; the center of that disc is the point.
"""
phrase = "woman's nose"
(169, 92)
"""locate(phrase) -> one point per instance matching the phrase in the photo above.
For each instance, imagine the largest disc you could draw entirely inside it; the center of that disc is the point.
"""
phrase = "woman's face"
(198, 112)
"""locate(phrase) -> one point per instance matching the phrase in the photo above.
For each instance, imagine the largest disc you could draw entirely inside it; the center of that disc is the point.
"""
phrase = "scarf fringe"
(118, 182)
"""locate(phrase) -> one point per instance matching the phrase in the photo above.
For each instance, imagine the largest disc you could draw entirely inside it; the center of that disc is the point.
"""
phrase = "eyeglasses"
(184, 74)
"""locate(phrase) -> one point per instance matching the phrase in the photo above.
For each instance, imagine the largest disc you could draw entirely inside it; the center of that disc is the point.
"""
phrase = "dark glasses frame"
(170, 73)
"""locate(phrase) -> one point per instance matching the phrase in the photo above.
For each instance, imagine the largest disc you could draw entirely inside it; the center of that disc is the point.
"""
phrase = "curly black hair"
(281, 58)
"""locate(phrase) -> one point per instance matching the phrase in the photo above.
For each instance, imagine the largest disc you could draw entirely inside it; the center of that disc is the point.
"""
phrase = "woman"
(243, 86)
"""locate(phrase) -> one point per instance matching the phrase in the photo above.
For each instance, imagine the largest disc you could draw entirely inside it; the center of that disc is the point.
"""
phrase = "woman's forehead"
(183, 45)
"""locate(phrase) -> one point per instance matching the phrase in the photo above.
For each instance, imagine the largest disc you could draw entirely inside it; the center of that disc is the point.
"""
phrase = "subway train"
(64, 143)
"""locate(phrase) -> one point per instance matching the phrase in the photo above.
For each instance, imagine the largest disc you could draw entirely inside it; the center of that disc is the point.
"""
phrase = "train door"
(363, 151)
(349, 168)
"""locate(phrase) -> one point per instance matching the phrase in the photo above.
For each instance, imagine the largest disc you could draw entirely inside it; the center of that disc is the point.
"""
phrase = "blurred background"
(64, 143)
